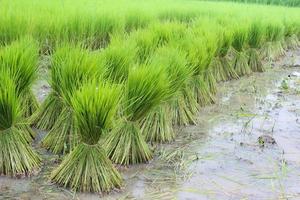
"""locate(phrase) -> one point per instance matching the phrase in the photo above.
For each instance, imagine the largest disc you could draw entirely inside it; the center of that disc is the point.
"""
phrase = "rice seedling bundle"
(274, 35)
(16, 156)
(221, 65)
(87, 168)
(117, 59)
(135, 20)
(198, 58)
(20, 60)
(290, 34)
(145, 89)
(71, 68)
(157, 125)
(255, 39)
(240, 60)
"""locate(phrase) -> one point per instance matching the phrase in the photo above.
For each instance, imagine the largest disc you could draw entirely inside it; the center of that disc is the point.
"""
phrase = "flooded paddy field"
(246, 146)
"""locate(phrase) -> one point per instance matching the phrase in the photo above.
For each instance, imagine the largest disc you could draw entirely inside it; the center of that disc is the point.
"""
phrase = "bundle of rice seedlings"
(149, 40)
(221, 66)
(87, 168)
(240, 60)
(12, 26)
(103, 26)
(145, 88)
(117, 59)
(291, 39)
(135, 20)
(255, 39)
(209, 35)
(20, 60)
(198, 58)
(157, 125)
(274, 35)
(16, 156)
(208, 71)
(180, 14)
(71, 67)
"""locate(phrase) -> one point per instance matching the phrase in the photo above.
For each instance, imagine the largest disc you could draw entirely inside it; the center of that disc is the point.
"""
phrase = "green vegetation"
(16, 155)
(71, 68)
(87, 167)
(295, 3)
(123, 76)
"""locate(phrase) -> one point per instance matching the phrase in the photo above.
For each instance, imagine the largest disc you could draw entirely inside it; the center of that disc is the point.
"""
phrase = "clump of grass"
(20, 59)
(16, 156)
(145, 88)
(255, 39)
(71, 68)
(240, 61)
(87, 168)
(157, 125)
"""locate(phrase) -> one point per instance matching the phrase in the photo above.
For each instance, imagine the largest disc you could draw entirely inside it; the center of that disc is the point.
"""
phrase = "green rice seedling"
(180, 15)
(255, 39)
(198, 58)
(20, 60)
(146, 45)
(157, 35)
(103, 26)
(157, 125)
(145, 89)
(117, 59)
(209, 37)
(221, 66)
(71, 67)
(16, 156)
(135, 20)
(211, 48)
(87, 168)
(240, 61)
(274, 34)
(290, 30)
(11, 27)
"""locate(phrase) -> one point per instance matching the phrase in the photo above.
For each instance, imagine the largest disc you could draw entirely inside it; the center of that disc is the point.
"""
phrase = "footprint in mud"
(266, 140)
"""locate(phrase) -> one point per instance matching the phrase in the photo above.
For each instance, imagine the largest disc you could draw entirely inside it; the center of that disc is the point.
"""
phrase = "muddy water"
(246, 146)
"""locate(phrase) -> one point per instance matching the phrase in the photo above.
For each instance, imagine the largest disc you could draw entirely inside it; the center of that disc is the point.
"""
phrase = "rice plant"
(16, 156)
(117, 59)
(291, 39)
(87, 168)
(221, 65)
(71, 67)
(240, 61)
(20, 60)
(149, 40)
(145, 88)
(157, 125)
(255, 39)
(198, 57)
(274, 32)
